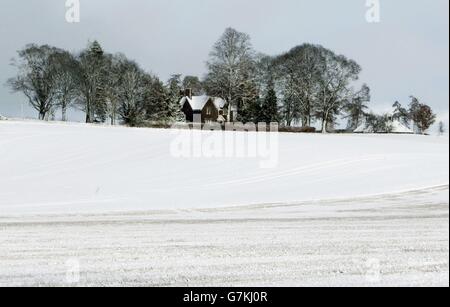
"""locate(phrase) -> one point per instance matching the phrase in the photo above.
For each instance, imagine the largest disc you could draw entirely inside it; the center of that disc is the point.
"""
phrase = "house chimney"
(188, 93)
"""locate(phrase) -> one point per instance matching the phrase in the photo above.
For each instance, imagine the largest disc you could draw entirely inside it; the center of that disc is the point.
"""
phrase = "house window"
(208, 111)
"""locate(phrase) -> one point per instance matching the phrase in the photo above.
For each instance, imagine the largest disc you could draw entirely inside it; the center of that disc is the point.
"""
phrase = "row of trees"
(417, 113)
(305, 85)
(417, 116)
(103, 85)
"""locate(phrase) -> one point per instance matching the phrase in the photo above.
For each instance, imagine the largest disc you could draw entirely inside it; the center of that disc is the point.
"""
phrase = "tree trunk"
(308, 116)
(42, 113)
(307, 121)
(324, 126)
(325, 122)
(88, 113)
(64, 113)
(89, 106)
(114, 115)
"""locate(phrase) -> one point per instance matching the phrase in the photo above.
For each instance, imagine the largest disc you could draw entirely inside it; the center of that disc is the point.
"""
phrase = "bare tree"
(66, 72)
(356, 108)
(113, 64)
(36, 77)
(229, 66)
(298, 71)
(334, 86)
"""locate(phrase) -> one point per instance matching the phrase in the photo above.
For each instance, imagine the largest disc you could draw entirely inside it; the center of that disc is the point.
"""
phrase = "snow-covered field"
(336, 210)
(72, 168)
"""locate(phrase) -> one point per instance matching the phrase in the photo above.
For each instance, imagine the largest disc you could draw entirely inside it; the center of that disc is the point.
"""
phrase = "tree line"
(305, 85)
(104, 86)
(418, 117)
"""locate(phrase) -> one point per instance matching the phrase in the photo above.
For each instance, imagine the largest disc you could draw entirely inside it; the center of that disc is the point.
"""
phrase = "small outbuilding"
(396, 127)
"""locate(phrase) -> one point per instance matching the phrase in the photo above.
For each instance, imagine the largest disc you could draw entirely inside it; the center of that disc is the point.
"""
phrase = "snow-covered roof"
(2, 117)
(197, 103)
(397, 127)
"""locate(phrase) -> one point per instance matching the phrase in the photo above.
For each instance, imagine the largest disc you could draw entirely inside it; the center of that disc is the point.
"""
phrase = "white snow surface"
(390, 240)
(57, 168)
(197, 103)
(85, 205)
(398, 127)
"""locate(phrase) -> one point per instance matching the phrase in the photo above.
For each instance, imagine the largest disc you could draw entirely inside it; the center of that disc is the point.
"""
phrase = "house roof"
(197, 103)
(397, 127)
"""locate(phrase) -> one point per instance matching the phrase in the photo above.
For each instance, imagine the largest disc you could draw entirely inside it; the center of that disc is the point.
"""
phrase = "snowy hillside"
(88, 206)
(72, 168)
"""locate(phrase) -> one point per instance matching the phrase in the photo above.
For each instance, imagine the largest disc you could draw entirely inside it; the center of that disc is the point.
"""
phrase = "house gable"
(187, 110)
(210, 113)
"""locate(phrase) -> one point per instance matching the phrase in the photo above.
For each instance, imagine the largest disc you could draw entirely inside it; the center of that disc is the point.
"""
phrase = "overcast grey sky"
(406, 53)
